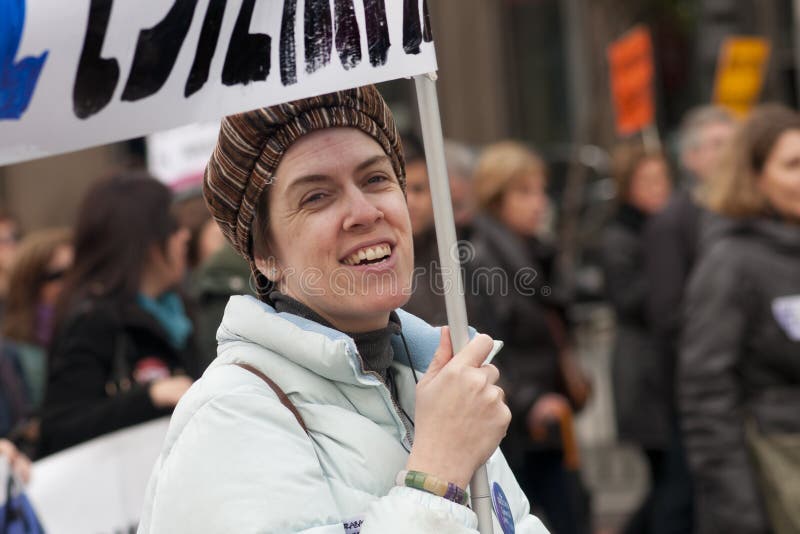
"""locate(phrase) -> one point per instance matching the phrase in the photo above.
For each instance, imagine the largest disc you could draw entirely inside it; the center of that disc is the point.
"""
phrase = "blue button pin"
(502, 509)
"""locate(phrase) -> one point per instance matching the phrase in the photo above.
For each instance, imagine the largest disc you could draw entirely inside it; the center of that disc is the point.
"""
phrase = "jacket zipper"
(409, 437)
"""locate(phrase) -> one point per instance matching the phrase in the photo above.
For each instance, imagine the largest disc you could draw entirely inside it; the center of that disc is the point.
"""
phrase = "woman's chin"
(382, 303)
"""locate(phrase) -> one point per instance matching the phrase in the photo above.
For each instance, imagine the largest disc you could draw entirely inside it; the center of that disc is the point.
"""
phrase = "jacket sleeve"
(283, 489)
(710, 398)
(77, 407)
(406, 510)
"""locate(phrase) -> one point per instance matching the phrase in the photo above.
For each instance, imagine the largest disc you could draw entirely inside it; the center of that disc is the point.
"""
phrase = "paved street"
(615, 474)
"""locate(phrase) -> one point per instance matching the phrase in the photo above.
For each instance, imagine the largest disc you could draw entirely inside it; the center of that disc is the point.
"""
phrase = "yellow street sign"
(740, 73)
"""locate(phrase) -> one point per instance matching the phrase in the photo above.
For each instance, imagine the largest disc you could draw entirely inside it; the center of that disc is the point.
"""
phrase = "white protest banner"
(178, 157)
(97, 486)
(87, 72)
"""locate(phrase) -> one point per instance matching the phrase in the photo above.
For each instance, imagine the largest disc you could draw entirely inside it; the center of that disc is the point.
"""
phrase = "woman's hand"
(166, 392)
(461, 414)
(20, 464)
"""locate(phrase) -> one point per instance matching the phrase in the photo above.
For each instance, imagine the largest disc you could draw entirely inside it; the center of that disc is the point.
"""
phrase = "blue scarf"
(168, 310)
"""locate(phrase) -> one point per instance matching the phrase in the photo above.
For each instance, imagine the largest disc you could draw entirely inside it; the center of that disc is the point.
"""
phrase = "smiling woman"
(337, 208)
(313, 417)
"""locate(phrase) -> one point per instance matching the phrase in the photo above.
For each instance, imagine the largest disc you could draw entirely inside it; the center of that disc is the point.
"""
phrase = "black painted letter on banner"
(209, 36)
(248, 54)
(319, 34)
(348, 37)
(157, 51)
(377, 31)
(96, 78)
(412, 31)
(287, 52)
(427, 32)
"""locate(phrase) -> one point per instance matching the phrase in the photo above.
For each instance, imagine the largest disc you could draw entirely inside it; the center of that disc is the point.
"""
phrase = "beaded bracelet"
(431, 484)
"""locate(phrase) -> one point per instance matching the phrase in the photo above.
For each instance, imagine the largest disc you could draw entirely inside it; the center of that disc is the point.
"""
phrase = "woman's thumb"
(443, 354)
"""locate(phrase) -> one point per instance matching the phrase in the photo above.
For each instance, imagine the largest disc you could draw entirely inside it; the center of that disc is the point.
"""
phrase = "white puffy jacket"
(236, 460)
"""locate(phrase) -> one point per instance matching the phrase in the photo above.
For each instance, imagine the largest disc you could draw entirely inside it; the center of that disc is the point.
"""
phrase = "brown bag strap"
(278, 391)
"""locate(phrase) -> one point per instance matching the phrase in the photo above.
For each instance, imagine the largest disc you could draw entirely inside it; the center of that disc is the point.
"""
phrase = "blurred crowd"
(107, 324)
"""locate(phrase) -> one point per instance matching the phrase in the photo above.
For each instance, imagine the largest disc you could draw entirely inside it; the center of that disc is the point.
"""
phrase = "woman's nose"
(361, 211)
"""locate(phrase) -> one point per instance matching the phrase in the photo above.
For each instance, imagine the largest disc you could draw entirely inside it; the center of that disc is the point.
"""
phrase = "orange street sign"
(740, 72)
(630, 60)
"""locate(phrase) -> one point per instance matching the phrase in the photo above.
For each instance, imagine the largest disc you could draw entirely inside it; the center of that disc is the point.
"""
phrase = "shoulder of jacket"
(731, 251)
(92, 315)
(232, 393)
(724, 267)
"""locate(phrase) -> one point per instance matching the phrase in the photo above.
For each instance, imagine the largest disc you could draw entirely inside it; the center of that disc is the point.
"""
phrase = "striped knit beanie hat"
(250, 147)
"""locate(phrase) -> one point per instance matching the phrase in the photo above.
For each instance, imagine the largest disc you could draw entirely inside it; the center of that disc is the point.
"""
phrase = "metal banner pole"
(448, 258)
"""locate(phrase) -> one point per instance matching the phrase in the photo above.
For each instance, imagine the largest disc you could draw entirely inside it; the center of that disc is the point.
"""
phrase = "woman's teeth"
(375, 252)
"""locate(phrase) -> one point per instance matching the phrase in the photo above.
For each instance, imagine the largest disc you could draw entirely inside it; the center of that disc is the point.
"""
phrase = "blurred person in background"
(739, 372)
(214, 280)
(418, 194)
(123, 351)
(9, 239)
(642, 390)
(461, 161)
(673, 237)
(215, 272)
(205, 237)
(19, 463)
(427, 299)
(511, 290)
(672, 240)
(35, 284)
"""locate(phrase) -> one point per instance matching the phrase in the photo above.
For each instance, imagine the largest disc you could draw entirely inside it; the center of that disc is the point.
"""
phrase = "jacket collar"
(777, 233)
(318, 348)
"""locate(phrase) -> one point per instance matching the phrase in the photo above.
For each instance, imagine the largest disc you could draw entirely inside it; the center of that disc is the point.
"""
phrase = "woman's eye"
(312, 199)
(378, 178)
(792, 163)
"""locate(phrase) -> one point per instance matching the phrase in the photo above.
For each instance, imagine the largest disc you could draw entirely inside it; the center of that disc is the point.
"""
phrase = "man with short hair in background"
(427, 301)
(671, 242)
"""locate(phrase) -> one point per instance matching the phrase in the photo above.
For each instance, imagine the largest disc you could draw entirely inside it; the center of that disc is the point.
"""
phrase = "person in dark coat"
(123, 351)
(36, 280)
(740, 350)
(672, 237)
(427, 299)
(511, 289)
(642, 395)
(211, 285)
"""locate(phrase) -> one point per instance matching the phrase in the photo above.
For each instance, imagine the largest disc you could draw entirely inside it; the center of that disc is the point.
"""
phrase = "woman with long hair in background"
(35, 283)
(543, 383)
(123, 350)
(739, 372)
(642, 378)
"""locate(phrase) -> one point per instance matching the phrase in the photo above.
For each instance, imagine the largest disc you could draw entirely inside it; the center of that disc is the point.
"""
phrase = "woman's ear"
(268, 267)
